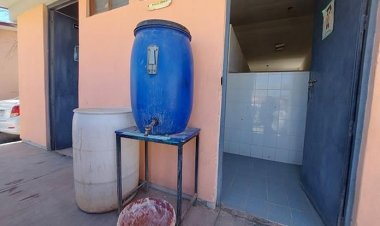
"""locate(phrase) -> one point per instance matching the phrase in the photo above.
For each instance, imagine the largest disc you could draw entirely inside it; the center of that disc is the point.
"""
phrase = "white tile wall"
(266, 115)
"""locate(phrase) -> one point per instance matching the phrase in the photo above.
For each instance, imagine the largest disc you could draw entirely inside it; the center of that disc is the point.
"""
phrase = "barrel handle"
(152, 60)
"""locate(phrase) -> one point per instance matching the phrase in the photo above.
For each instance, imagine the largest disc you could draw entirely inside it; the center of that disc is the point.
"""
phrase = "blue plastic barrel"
(161, 77)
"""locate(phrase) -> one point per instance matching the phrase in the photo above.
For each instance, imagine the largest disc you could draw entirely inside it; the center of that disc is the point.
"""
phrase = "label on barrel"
(159, 5)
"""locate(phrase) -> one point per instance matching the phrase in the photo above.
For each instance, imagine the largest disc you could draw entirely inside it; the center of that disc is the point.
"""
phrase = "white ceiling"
(16, 7)
(252, 11)
(260, 24)
(7, 3)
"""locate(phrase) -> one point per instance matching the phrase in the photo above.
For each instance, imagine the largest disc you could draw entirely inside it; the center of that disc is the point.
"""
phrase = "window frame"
(92, 7)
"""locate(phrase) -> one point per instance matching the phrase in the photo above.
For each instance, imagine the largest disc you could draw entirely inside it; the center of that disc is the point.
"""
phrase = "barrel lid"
(102, 111)
(162, 23)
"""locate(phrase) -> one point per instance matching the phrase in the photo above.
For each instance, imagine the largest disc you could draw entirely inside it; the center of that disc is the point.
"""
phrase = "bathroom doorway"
(63, 72)
(290, 103)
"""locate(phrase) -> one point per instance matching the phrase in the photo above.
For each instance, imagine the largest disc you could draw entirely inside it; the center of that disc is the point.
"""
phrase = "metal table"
(178, 140)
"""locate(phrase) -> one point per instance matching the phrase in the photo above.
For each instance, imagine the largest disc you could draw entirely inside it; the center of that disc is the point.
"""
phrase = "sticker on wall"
(328, 19)
(159, 5)
(76, 53)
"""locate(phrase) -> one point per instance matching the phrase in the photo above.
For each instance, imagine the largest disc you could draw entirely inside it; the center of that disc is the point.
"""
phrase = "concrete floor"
(36, 188)
(66, 152)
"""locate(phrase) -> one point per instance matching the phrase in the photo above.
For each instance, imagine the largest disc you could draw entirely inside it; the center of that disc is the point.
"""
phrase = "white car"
(10, 116)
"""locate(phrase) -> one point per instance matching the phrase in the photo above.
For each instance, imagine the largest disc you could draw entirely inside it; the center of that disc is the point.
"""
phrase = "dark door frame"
(49, 90)
(366, 75)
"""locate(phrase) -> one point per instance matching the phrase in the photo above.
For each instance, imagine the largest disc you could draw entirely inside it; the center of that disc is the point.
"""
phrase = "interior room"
(295, 71)
(266, 108)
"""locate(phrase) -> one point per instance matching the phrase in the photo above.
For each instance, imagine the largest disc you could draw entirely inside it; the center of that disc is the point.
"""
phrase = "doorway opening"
(290, 103)
(63, 72)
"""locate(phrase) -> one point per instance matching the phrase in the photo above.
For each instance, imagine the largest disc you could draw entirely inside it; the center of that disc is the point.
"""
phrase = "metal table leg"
(146, 164)
(118, 163)
(146, 176)
(196, 164)
(179, 186)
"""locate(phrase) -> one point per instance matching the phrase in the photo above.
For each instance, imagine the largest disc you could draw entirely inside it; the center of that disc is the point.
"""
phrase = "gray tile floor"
(268, 190)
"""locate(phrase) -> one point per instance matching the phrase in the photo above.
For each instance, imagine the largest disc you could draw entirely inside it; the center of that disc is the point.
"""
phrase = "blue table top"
(172, 139)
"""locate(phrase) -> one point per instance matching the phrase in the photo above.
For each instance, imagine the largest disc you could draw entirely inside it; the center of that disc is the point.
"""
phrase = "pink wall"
(32, 53)
(368, 194)
(8, 63)
(105, 47)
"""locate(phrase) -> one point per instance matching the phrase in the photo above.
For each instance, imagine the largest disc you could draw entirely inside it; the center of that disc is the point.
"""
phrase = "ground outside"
(37, 188)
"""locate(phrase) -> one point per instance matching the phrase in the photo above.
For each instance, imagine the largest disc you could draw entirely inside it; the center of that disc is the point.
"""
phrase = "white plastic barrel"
(94, 152)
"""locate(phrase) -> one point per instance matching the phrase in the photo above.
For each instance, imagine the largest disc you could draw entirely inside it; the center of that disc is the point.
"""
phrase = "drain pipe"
(149, 127)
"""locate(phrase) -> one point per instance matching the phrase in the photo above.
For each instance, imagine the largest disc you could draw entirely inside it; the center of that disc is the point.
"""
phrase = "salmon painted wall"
(32, 54)
(105, 47)
(8, 64)
(368, 194)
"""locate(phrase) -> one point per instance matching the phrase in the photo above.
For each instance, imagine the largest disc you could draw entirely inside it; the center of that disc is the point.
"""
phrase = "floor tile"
(228, 181)
(256, 180)
(302, 218)
(245, 171)
(260, 163)
(293, 185)
(236, 200)
(258, 189)
(258, 172)
(299, 201)
(227, 190)
(269, 190)
(279, 214)
(277, 194)
(257, 207)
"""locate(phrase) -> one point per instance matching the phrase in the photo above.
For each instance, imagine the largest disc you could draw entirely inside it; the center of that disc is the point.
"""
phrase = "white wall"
(266, 115)
(237, 61)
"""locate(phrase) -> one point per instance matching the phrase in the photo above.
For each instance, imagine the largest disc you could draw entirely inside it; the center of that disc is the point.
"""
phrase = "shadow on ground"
(7, 138)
